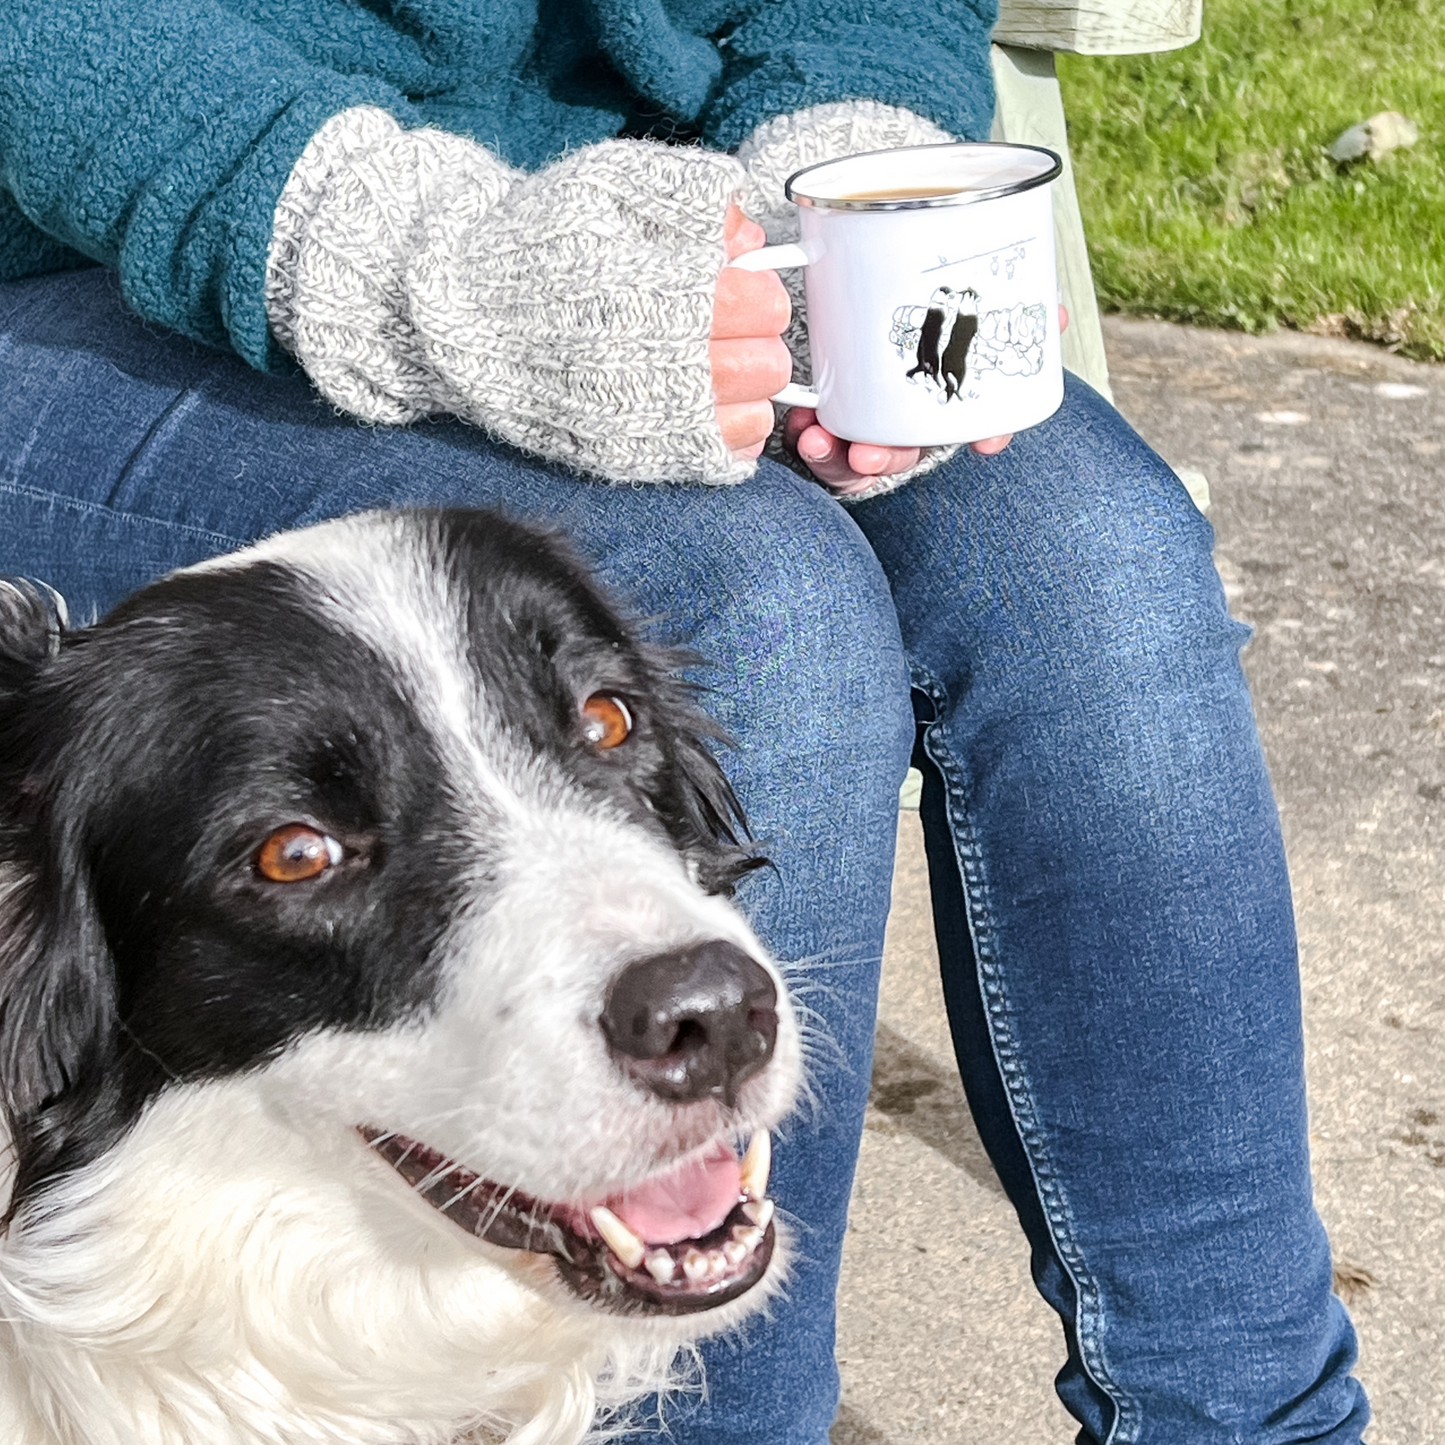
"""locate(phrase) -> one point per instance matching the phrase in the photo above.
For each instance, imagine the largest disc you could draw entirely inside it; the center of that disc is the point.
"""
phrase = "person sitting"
(271, 261)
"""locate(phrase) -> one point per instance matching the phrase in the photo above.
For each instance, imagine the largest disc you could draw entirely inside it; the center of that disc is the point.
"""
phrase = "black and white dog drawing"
(947, 331)
(382, 1060)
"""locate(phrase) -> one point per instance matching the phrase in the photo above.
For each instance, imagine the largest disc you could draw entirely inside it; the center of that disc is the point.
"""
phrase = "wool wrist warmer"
(772, 153)
(566, 311)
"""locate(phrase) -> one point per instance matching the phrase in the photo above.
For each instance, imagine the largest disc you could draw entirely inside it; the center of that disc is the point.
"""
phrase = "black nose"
(696, 1023)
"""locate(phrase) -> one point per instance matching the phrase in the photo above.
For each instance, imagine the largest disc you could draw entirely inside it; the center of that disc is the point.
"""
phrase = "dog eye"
(295, 853)
(605, 720)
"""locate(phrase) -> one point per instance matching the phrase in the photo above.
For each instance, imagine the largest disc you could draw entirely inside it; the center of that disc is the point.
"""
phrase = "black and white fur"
(200, 1249)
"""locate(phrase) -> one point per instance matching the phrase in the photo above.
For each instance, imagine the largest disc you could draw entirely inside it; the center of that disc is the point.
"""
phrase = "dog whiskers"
(462, 1194)
(815, 963)
(434, 1176)
(498, 1205)
(151, 1054)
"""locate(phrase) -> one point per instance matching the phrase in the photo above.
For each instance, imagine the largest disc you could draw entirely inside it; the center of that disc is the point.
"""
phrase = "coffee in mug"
(907, 193)
(932, 292)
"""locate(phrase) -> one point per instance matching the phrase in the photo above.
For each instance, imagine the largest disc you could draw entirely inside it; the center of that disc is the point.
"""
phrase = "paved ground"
(1326, 464)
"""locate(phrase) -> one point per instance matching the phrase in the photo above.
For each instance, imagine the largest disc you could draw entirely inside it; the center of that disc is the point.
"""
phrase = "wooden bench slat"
(1099, 27)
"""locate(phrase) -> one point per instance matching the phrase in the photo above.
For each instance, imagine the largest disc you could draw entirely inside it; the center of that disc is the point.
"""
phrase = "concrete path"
(1326, 465)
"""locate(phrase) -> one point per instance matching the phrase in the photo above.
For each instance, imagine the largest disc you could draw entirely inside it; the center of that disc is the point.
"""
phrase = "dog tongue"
(687, 1202)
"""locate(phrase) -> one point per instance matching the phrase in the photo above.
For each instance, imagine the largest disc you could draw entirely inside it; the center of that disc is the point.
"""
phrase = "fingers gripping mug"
(932, 292)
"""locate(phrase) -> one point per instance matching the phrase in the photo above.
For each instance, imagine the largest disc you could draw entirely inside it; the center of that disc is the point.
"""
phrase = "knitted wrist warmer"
(772, 153)
(567, 311)
(335, 275)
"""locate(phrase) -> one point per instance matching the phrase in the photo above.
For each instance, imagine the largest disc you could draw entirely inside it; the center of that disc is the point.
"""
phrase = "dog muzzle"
(689, 1239)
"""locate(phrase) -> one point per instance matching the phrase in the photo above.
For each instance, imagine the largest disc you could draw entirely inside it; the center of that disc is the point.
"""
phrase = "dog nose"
(695, 1023)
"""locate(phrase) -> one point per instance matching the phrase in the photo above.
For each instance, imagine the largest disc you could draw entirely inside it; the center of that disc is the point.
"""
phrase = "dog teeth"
(749, 1236)
(620, 1239)
(760, 1211)
(700, 1265)
(757, 1165)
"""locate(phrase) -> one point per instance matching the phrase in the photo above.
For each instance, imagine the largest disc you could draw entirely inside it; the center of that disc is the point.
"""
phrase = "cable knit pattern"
(772, 153)
(567, 311)
(346, 222)
(577, 312)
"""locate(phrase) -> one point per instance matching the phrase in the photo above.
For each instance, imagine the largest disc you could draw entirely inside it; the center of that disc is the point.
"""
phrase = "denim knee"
(820, 604)
(1074, 557)
(791, 611)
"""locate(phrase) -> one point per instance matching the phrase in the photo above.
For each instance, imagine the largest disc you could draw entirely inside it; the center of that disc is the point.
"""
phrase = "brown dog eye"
(295, 853)
(605, 720)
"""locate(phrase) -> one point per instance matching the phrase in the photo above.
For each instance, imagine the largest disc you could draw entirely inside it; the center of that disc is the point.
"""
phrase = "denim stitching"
(76, 504)
(967, 850)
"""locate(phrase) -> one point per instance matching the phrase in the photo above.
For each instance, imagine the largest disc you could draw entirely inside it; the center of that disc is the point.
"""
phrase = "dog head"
(366, 892)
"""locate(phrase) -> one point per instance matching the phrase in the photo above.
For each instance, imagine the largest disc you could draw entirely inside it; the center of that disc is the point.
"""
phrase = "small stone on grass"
(1369, 140)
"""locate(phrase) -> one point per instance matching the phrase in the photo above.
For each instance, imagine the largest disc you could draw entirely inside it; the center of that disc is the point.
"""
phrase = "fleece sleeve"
(929, 57)
(155, 136)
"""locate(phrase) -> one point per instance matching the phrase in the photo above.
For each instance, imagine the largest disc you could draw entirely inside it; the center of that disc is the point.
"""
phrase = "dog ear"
(57, 1031)
(57, 986)
(699, 807)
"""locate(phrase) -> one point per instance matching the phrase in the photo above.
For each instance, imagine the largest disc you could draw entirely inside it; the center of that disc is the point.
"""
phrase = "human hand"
(749, 360)
(846, 468)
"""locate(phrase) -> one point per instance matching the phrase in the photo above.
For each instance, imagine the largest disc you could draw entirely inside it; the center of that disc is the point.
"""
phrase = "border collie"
(377, 1040)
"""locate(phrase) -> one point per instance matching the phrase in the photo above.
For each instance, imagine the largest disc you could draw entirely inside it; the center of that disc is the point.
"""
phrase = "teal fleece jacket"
(155, 136)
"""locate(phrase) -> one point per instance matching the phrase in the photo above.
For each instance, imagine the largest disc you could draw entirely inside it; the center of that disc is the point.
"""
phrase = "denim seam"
(1088, 1316)
(76, 504)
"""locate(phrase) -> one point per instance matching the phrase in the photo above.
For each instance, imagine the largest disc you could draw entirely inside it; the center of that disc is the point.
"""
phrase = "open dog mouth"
(689, 1239)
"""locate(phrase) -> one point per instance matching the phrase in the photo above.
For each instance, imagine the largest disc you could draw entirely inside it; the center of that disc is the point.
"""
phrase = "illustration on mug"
(949, 340)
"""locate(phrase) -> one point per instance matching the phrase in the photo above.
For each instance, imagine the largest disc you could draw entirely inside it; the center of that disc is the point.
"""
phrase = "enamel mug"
(932, 292)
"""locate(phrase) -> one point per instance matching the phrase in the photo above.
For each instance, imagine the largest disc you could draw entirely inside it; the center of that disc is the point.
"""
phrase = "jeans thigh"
(125, 453)
(1116, 930)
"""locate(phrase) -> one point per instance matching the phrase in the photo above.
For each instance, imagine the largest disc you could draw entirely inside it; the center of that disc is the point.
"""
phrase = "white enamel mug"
(931, 318)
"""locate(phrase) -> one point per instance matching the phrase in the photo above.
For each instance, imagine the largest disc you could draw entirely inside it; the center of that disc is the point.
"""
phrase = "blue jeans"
(1109, 888)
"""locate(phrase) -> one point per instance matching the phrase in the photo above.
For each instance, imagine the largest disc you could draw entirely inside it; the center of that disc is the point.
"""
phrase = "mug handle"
(780, 258)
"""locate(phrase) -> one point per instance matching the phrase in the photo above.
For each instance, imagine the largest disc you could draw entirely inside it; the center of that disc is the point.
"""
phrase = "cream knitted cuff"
(567, 311)
(346, 222)
(771, 154)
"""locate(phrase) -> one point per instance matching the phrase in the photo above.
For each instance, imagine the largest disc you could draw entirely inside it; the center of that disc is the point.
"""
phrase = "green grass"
(1205, 187)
